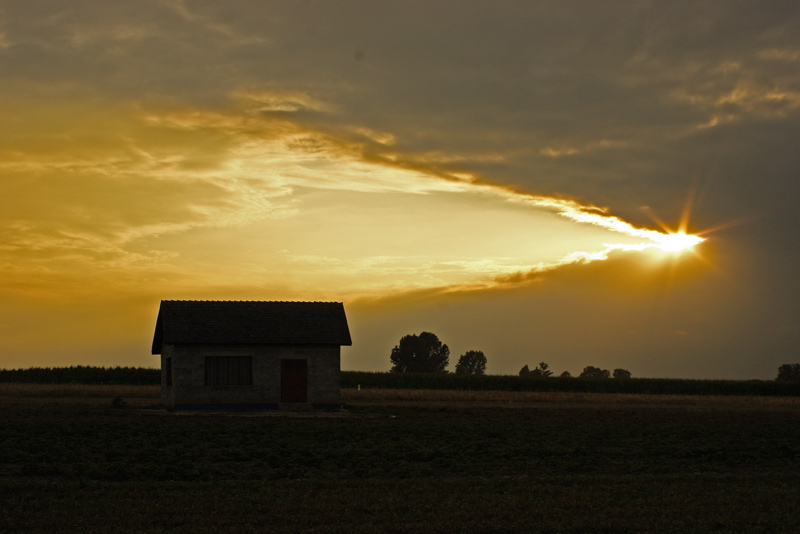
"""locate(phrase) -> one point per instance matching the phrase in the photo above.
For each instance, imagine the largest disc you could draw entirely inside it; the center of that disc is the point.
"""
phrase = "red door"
(294, 381)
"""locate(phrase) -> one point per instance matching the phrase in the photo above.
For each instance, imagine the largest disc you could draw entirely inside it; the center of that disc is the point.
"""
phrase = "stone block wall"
(188, 374)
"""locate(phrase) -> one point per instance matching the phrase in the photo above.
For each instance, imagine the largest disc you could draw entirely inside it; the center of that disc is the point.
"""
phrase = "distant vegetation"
(542, 371)
(661, 386)
(131, 376)
(425, 353)
(472, 362)
(789, 372)
(422, 353)
(439, 381)
(594, 373)
(621, 374)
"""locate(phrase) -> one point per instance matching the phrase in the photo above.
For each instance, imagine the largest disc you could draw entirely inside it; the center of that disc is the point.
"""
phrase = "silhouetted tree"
(565, 374)
(540, 372)
(789, 371)
(594, 372)
(422, 353)
(473, 362)
(621, 374)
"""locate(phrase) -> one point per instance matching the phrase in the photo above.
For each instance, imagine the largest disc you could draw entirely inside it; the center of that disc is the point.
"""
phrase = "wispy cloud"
(163, 172)
(211, 24)
(558, 152)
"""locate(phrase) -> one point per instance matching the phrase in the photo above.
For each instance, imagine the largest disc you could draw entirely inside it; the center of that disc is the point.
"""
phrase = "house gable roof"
(250, 322)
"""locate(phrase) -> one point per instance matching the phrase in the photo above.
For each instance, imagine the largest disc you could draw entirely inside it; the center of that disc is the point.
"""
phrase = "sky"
(521, 178)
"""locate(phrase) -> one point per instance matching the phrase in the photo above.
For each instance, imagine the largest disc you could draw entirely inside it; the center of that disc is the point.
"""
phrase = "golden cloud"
(139, 191)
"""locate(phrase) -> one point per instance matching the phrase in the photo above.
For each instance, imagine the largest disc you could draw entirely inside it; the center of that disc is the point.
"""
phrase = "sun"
(678, 241)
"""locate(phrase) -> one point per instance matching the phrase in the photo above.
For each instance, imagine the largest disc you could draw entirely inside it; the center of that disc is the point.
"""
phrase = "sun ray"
(687, 211)
(650, 213)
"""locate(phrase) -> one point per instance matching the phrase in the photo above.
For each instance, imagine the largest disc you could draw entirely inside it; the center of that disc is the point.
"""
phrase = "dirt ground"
(399, 461)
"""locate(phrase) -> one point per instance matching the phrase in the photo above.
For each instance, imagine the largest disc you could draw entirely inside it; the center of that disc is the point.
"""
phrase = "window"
(229, 370)
(168, 369)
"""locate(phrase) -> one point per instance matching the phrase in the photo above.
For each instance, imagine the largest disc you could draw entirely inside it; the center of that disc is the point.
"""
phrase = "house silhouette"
(250, 355)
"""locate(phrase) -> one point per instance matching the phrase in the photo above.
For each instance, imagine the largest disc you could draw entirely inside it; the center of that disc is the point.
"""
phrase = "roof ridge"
(251, 321)
(262, 301)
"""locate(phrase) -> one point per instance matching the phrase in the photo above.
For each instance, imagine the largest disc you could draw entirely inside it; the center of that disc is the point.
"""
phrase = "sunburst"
(676, 240)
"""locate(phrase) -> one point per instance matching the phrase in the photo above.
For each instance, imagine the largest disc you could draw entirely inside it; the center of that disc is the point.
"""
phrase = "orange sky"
(499, 186)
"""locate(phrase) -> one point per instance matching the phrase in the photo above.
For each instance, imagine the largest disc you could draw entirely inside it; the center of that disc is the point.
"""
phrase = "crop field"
(143, 376)
(71, 460)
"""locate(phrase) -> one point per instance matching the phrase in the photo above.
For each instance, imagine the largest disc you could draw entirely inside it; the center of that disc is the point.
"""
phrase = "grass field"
(400, 461)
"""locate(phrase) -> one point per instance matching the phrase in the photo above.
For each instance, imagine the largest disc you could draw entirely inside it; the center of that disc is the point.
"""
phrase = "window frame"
(220, 370)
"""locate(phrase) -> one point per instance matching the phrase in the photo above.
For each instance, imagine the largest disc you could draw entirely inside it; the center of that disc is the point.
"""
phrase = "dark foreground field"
(400, 461)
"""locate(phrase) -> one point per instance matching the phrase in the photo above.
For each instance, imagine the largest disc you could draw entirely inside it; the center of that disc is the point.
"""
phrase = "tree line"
(425, 353)
(543, 371)
(83, 374)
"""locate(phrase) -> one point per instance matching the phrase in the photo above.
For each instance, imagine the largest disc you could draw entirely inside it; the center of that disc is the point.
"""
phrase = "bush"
(540, 372)
(595, 373)
(789, 372)
(473, 362)
(621, 374)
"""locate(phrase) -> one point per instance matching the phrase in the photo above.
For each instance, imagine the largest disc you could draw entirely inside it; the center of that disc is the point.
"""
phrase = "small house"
(250, 355)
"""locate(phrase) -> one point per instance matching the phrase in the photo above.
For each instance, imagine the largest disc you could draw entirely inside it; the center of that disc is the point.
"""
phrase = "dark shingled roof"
(236, 322)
